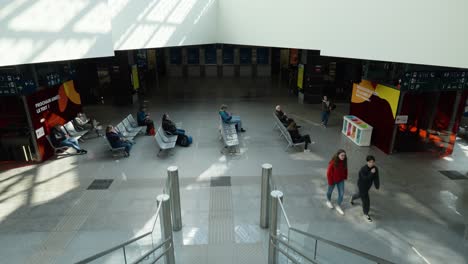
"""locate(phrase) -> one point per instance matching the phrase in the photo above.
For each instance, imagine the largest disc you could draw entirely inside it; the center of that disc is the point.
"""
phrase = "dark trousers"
(305, 138)
(364, 196)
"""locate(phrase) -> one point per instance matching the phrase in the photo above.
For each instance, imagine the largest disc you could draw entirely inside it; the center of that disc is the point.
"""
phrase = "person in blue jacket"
(117, 140)
(228, 118)
(144, 120)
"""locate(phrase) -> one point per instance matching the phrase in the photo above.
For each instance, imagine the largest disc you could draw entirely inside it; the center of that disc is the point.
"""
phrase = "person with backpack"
(169, 127)
(326, 109)
(368, 176)
(337, 173)
(228, 118)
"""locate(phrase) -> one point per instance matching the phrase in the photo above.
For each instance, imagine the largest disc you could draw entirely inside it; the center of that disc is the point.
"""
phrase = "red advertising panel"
(49, 107)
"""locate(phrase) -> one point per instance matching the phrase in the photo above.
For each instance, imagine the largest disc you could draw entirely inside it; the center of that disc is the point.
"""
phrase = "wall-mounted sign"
(401, 119)
(40, 132)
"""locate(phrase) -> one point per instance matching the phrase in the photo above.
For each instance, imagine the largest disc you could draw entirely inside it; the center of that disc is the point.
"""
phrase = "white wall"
(52, 30)
(430, 32)
(433, 32)
(163, 23)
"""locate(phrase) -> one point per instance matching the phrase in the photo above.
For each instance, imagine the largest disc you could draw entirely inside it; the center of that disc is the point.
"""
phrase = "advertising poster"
(300, 76)
(377, 105)
(49, 107)
(293, 56)
(135, 80)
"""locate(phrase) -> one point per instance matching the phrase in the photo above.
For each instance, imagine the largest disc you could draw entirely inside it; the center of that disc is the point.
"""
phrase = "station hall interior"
(214, 131)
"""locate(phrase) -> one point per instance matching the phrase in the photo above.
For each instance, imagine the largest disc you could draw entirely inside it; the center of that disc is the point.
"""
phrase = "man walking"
(368, 175)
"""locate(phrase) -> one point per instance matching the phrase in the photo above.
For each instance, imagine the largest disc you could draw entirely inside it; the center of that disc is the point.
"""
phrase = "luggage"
(184, 140)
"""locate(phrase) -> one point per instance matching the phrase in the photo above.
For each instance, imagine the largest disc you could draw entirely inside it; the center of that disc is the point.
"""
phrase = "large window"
(193, 56)
(263, 55)
(245, 55)
(175, 56)
(228, 55)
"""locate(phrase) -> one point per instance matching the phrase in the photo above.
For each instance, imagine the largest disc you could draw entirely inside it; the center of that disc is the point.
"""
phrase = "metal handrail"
(317, 239)
(284, 213)
(153, 250)
(122, 245)
(110, 250)
(343, 247)
(292, 248)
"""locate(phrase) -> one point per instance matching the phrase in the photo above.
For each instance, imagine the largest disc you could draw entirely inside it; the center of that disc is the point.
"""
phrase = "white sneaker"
(330, 205)
(368, 219)
(339, 210)
(306, 150)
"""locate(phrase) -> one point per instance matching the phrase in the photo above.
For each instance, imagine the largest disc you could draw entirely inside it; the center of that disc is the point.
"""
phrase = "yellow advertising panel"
(136, 82)
(300, 76)
(363, 91)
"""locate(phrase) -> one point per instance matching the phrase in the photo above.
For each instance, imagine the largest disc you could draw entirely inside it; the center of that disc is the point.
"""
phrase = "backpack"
(184, 140)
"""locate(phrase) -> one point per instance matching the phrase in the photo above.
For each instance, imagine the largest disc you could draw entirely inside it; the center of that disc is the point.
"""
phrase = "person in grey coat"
(368, 176)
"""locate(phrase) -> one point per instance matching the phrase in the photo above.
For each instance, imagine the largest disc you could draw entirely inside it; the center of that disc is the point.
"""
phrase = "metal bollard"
(166, 227)
(272, 251)
(265, 195)
(173, 180)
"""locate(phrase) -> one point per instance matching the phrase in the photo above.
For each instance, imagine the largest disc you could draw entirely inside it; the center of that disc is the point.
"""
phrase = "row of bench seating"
(228, 134)
(67, 128)
(285, 133)
(129, 128)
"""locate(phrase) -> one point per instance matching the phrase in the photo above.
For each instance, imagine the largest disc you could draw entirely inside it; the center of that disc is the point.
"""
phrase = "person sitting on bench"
(144, 120)
(117, 140)
(169, 127)
(228, 118)
(283, 117)
(297, 137)
(61, 139)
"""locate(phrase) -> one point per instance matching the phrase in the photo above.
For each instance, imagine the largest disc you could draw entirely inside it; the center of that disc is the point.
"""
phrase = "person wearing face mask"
(337, 173)
(368, 176)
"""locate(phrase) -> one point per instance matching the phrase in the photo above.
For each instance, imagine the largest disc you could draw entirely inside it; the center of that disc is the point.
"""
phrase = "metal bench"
(70, 129)
(130, 128)
(120, 150)
(129, 135)
(58, 151)
(285, 133)
(229, 135)
(133, 122)
(164, 142)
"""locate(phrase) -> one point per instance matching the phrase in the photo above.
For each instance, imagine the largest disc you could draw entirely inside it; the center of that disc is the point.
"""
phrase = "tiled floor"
(47, 215)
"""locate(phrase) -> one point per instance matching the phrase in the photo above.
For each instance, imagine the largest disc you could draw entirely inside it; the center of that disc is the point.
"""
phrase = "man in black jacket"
(368, 175)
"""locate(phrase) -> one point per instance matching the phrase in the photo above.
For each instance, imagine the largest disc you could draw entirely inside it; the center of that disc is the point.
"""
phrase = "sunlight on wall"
(161, 37)
(62, 48)
(141, 34)
(161, 10)
(13, 51)
(95, 21)
(116, 6)
(10, 8)
(181, 11)
(47, 16)
(207, 6)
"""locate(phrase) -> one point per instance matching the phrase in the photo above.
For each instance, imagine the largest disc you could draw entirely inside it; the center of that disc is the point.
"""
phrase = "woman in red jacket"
(337, 173)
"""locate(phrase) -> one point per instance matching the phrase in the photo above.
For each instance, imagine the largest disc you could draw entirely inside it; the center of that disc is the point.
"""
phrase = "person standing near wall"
(337, 173)
(326, 108)
(368, 175)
